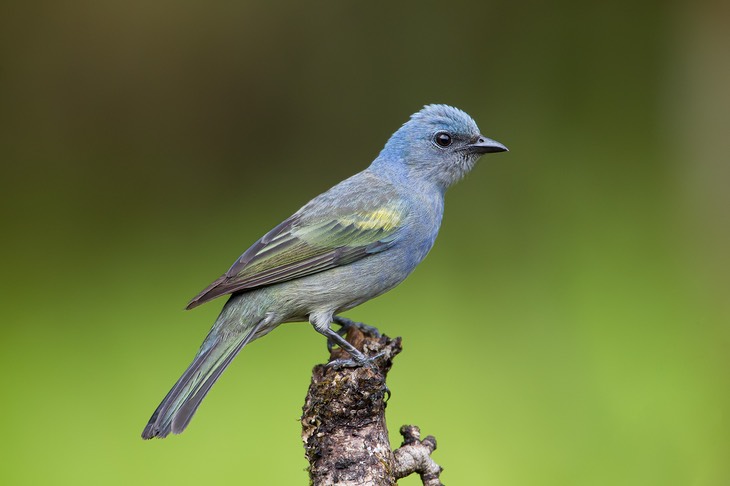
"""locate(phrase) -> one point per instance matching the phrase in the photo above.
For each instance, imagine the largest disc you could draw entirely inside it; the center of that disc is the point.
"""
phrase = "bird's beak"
(485, 145)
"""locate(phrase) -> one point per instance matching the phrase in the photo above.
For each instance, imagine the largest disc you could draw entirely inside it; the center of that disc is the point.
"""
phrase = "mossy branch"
(343, 423)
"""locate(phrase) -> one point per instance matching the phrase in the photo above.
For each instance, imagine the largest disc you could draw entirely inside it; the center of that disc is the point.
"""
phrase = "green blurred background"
(570, 326)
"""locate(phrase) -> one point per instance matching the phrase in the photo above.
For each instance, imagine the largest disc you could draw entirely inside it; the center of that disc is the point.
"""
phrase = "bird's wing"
(320, 236)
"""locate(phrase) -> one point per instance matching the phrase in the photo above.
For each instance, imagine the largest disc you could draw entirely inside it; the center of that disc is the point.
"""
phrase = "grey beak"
(485, 145)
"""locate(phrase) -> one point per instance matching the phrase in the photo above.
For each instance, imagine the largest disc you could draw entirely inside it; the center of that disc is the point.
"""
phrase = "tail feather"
(179, 405)
(156, 425)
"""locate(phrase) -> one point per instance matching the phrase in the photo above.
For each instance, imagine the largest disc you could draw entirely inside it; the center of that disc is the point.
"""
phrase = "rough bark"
(414, 456)
(343, 423)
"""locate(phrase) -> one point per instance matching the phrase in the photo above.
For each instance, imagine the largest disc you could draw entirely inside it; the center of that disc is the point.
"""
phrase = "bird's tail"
(181, 402)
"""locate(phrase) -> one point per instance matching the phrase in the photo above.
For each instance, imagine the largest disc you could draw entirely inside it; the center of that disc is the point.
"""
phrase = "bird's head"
(440, 144)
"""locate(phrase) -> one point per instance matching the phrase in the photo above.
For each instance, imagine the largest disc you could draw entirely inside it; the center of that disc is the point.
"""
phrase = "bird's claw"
(355, 362)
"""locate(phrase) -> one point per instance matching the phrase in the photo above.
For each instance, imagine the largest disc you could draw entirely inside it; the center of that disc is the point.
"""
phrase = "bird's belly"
(341, 288)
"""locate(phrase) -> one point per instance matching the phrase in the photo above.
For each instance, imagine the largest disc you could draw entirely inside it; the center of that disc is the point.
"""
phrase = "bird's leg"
(358, 358)
(347, 323)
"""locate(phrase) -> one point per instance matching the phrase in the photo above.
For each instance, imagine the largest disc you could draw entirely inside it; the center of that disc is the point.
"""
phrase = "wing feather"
(302, 246)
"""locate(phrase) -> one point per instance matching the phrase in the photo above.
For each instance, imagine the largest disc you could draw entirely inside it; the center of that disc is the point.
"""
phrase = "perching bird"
(344, 247)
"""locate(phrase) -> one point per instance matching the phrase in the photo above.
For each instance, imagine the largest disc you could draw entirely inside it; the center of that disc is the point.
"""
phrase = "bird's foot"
(356, 361)
(346, 323)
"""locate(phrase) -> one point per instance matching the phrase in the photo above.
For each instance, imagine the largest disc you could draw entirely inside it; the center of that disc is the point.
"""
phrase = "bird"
(354, 242)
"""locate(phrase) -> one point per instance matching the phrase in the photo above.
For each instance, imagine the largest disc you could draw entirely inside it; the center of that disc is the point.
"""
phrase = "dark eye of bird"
(443, 139)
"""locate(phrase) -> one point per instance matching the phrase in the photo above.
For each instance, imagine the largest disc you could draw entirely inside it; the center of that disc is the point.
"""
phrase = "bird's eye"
(442, 139)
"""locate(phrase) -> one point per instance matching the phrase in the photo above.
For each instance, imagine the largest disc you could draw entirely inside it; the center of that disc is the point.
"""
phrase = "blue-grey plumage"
(350, 244)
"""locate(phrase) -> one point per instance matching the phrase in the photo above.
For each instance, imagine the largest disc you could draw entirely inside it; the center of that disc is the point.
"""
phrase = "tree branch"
(414, 456)
(343, 423)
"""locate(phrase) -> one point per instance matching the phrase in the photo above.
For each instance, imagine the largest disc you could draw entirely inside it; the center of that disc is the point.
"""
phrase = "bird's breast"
(423, 226)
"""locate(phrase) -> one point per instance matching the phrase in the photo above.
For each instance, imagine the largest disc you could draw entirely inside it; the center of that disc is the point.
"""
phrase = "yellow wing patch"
(383, 218)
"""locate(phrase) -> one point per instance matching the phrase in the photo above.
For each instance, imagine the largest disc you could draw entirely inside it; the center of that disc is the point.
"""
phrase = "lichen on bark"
(343, 422)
